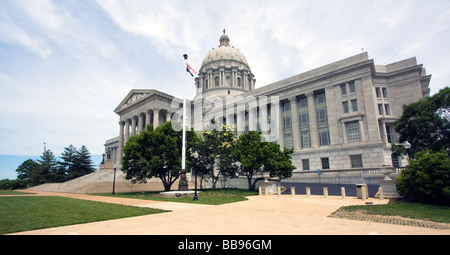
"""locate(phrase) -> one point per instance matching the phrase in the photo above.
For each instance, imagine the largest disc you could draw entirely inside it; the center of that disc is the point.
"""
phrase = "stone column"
(155, 118)
(127, 131)
(295, 123)
(133, 126)
(280, 126)
(121, 143)
(140, 123)
(147, 119)
(168, 116)
(313, 131)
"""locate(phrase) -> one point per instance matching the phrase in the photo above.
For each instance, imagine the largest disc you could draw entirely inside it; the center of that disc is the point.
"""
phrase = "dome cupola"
(224, 71)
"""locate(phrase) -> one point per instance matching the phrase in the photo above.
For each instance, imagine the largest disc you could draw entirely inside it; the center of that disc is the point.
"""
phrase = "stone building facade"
(339, 116)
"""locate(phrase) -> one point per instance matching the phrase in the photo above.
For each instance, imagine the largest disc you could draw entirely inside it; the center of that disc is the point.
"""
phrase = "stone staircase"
(101, 181)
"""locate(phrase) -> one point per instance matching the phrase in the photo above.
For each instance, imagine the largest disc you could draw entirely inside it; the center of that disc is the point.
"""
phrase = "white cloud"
(66, 65)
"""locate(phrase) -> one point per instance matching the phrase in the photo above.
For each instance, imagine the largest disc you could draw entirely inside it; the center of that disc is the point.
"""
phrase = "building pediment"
(133, 98)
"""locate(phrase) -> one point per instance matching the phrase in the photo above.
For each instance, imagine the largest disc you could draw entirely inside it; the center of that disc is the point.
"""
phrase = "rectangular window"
(352, 129)
(305, 164)
(324, 136)
(322, 115)
(302, 102)
(356, 161)
(345, 106)
(287, 107)
(352, 87)
(354, 105)
(306, 141)
(287, 122)
(388, 134)
(320, 97)
(380, 109)
(325, 163)
(385, 94)
(378, 92)
(303, 118)
(288, 140)
(344, 89)
(395, 161)
(387, 110)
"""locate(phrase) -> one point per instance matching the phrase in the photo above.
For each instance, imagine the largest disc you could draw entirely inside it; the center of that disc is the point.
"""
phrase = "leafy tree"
(154, 153)
(215, 147)
(25, 169)
(252, 153)
(425, 124)
(427, 178)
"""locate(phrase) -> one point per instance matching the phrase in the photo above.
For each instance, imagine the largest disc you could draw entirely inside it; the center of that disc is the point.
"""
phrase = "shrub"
(427, 178)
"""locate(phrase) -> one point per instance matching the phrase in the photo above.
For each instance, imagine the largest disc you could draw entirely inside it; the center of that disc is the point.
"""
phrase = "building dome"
(224, 71)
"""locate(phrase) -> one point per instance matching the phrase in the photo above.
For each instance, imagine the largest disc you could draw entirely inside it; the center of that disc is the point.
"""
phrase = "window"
(385, 94)
(305, 164)
(352, 129)
(239, 82)
(306, 141)
(286, 107)
(356, 161)
(387, 110)
(325, 163)
(286, 122)
(354, 105)
(228, 80)
(322, 115)
(303, 118)
(352, 87)
(388, 134)
(345, 106)
(344, 89)
(216, 81)
(378, 92)
(303, 102)
(324, 136)
(395, 161)
(320, 97)
(380, 109)
(288, 140)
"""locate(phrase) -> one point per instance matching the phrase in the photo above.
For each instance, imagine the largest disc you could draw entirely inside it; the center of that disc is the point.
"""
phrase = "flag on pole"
(190, 70)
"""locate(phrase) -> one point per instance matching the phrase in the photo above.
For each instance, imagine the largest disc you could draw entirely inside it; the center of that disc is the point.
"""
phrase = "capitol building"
(338, 116)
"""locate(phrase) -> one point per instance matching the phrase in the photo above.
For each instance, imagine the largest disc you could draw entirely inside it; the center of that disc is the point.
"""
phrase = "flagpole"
(183, 184)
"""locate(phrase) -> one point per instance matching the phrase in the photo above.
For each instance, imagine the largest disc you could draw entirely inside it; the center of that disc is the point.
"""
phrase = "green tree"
(46, 171)
(253, 153)
(75, 163)
(154, 153)
(25, 169)
(216, 145)
(425, 124)
(427, 178)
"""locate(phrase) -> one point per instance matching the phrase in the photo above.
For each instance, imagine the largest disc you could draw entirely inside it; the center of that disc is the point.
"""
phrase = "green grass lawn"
(206, 196)
(23, 213)
(408, 210)
(13, 192)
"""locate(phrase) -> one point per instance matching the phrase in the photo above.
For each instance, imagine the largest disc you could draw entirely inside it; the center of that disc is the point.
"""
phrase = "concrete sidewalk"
(266, 215)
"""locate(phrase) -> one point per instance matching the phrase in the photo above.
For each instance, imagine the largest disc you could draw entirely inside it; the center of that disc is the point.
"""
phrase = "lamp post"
(407, 146)
(195, 155)
(114, 180)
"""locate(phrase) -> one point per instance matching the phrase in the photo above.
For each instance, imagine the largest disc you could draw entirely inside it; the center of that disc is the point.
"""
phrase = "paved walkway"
(258, 215)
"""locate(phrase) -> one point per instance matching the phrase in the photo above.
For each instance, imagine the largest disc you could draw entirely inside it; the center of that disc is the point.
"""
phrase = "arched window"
(239, 82)
(216, 81)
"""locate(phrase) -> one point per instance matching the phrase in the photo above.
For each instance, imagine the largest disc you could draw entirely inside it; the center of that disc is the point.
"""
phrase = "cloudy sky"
(66, 65)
